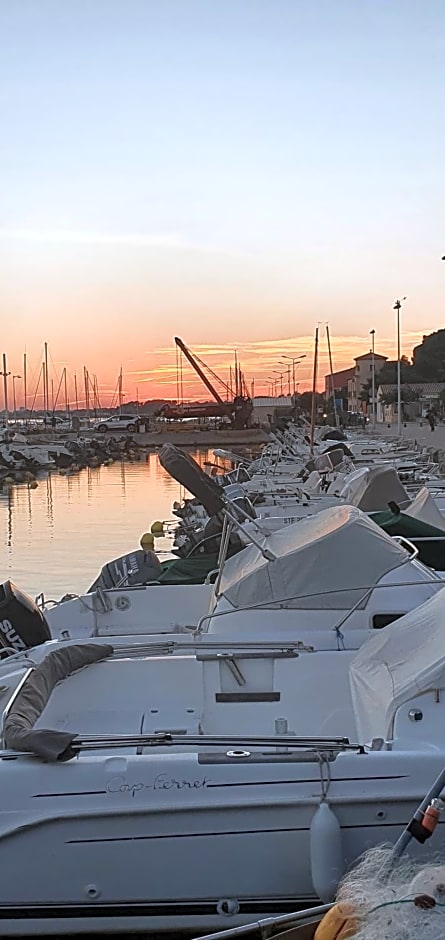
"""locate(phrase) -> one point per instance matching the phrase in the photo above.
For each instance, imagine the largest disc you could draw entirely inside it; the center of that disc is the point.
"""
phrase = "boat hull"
(186, 842)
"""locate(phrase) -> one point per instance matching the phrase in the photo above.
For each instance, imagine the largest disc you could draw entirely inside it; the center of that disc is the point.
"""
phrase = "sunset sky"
(230, 171)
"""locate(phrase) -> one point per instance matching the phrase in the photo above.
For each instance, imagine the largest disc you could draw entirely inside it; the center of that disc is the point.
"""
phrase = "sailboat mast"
(67, 407)
(120, 390)
(87, 393)
(314, 392)
(25, 386)
(45, 380)
(5, 388)
(332, 377)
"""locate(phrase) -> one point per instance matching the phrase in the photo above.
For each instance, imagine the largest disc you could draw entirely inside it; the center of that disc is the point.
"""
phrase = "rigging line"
(212, 373)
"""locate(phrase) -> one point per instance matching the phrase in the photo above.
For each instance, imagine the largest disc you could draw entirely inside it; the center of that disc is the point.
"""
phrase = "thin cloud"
(172, 240)
(74, 237)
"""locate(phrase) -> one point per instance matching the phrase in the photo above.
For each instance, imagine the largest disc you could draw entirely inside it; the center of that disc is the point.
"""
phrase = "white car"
(118, 423)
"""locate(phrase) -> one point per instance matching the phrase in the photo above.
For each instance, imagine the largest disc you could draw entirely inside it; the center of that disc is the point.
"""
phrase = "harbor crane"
(238, 408)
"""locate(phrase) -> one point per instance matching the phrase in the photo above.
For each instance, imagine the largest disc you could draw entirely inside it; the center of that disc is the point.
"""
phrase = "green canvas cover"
(397, 523)
(188, 570)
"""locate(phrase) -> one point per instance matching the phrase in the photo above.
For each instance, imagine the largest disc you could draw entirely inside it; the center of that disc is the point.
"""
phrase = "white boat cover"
(424, 508)
(399, 662)
(325, 561)
(376, 488)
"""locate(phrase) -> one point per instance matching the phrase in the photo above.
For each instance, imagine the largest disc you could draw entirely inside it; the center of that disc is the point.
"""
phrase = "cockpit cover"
(325, 561)
(376, 488)
(397, 664)
(18, 732)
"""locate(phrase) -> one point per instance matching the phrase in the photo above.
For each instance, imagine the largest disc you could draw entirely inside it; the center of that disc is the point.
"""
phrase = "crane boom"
(189, 355)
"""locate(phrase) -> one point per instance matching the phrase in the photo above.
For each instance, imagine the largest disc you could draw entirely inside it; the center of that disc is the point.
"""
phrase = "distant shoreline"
(181, 437)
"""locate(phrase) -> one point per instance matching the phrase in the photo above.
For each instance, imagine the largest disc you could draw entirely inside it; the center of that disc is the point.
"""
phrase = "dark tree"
(388, 373)
(429, 358)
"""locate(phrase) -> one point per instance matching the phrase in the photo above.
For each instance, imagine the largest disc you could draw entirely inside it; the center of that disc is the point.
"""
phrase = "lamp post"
(281, 379)
(14, 377)
(372, 332)
(397, 307)
(274, 385)
(294, 360)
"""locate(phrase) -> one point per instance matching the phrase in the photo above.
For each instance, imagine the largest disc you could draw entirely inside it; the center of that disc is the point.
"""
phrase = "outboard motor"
(136, 567)
(22, 624)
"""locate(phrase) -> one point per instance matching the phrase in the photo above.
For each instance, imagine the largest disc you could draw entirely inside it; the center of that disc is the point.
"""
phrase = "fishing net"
(404, 901)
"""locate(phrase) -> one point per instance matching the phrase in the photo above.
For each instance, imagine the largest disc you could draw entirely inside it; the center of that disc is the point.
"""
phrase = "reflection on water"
(58, 536)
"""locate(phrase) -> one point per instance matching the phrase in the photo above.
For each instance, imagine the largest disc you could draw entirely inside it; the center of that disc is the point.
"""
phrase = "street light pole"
(397, 306)
(294, 360)
(372, 332)
(281, 379)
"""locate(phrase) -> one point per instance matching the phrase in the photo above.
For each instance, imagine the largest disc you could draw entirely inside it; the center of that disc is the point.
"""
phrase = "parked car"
(118, 423)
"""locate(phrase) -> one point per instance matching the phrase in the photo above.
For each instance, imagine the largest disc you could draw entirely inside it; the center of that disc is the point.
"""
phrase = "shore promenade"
(413, 431)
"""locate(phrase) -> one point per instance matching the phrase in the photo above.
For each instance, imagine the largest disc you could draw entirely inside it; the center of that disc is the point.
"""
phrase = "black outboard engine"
(22, 624)
(136, 567)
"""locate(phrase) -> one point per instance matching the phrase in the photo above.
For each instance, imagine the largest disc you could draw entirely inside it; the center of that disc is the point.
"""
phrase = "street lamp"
(14, 377)
(397, 307)
(274, 384)
(372, 333)
(281, 378)
(287, 373)
(294, 359)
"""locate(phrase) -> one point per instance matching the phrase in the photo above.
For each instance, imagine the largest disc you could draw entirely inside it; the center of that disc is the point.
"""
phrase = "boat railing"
(281, 603)
(12, 699)
(237, 747)
(267, 927)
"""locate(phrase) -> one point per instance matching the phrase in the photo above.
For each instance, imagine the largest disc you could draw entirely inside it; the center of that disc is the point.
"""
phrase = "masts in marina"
(45, 379)
(5, 374)
(314, 393)
(25, 381)
(334, 403)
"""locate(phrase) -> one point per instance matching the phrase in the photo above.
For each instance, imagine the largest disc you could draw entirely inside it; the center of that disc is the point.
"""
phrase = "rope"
(325, 779)
(423, 901)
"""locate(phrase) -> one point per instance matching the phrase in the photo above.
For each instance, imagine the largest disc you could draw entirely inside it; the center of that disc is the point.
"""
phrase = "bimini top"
(325, 561)
(396, 664)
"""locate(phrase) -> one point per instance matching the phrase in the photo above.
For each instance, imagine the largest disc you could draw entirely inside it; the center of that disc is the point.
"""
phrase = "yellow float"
(338, 924)
(157, 528)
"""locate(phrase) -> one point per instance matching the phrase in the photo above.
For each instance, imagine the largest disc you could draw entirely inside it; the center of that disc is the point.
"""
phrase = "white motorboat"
(302, 582)
(175, 798)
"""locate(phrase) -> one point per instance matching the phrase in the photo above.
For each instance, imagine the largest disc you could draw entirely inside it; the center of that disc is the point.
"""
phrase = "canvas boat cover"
(424, 508)
(375, 488)
(431, 553)
(18, 732)
(398, 663)
(325, 561)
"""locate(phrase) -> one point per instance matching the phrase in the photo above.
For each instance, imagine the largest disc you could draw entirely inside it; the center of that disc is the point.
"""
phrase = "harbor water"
(57, 537)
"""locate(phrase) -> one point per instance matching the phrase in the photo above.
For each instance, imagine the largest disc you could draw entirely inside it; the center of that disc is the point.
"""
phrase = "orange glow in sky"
(232, 173)
(155, 374)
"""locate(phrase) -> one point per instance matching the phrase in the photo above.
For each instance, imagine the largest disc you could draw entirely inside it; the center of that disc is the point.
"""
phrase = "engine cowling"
(22, 623)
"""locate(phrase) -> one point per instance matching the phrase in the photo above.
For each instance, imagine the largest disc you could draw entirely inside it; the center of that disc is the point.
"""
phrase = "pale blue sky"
(233, 170)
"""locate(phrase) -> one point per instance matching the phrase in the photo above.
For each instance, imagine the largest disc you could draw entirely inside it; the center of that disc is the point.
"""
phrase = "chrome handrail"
(279, 603)
(11, 701)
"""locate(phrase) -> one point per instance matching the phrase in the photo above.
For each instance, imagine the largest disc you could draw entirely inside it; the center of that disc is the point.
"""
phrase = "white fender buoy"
(327, 866)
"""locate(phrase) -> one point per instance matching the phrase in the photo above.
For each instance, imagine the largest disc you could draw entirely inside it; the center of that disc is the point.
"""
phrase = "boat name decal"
(119, 784)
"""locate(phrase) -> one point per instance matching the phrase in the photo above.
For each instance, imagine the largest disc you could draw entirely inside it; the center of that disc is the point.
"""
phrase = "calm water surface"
(57, 537)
